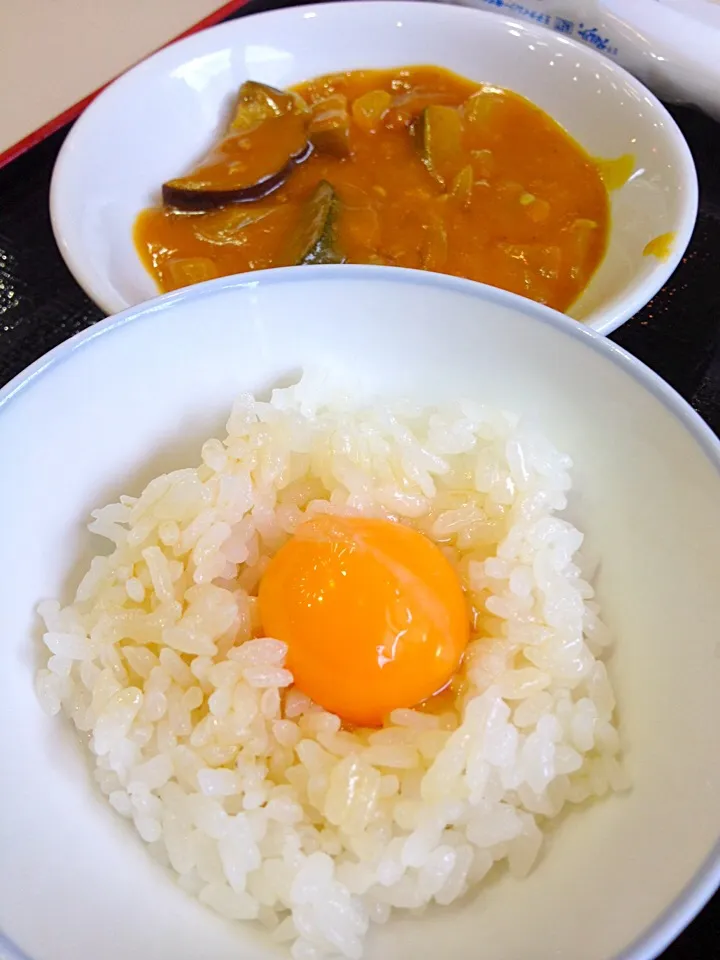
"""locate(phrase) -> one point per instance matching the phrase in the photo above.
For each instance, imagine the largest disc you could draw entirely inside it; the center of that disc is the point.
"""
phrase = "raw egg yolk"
(372, 612)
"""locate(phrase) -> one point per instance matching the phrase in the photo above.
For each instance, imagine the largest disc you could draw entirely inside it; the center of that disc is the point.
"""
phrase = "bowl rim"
(678, 914)
(604, 320)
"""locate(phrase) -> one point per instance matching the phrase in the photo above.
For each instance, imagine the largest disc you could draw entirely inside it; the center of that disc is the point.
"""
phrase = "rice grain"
(257, 799)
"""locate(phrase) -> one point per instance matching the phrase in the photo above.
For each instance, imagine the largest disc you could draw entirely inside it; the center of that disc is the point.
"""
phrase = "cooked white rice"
(258, 800)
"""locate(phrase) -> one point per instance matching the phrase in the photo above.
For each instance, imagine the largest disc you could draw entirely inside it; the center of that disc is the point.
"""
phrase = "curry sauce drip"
(428, 170)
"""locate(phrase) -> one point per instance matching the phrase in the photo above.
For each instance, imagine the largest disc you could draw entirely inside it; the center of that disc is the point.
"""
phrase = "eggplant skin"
(258, 102)
(437, 132)
(314, 239)
(266, 138)
(185, 198)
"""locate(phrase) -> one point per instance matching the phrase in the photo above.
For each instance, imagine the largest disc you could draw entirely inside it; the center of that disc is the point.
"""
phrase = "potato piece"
(369, 109)
(478, 108)
(329, 129)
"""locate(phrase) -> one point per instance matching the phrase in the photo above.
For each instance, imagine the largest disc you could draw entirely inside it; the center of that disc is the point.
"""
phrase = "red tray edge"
(72, 112)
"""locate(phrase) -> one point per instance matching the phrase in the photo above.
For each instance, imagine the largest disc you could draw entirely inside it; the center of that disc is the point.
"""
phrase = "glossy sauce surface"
(509, 199)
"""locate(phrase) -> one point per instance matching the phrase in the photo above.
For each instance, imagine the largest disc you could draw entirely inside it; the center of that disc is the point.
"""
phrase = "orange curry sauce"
(519, 204)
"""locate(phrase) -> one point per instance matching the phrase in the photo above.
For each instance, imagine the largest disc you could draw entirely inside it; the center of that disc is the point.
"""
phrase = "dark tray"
(677, 334)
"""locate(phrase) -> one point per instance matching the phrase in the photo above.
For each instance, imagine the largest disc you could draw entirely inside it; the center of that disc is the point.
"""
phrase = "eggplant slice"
(266, 139)
(437, 132)
(227, 226)
(258, 102)
(314, 239)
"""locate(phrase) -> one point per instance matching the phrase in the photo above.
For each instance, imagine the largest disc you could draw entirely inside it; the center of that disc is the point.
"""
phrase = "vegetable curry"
(412, 167)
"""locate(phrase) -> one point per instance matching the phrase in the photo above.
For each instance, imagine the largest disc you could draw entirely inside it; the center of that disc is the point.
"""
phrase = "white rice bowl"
(258, 800)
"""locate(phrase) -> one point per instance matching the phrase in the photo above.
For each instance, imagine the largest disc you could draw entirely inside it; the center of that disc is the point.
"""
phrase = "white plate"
(135, 395)
(159, 118)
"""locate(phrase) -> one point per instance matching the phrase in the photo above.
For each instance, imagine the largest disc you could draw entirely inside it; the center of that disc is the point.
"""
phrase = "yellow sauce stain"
(616, 173)
(660, 247)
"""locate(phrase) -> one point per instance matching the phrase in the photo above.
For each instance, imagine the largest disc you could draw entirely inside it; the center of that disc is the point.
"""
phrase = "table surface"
(677, 334)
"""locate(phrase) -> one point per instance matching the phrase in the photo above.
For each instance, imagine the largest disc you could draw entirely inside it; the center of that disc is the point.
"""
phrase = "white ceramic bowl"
(135, 395)
(159, 118)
